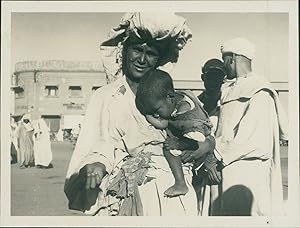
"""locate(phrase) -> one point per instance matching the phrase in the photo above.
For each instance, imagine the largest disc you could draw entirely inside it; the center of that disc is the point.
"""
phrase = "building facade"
(59, 91)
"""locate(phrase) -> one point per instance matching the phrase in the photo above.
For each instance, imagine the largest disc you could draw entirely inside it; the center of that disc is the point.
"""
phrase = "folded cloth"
(125, 185)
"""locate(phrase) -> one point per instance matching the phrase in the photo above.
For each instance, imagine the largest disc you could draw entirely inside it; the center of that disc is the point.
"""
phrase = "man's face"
(213, 79)
(229, 65)
(140, 58)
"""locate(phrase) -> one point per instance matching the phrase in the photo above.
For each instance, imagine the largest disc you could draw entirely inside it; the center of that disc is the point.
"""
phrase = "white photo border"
(290, 7)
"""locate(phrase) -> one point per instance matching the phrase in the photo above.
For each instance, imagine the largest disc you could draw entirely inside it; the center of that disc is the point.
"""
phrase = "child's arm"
(198, 137)
(182, 143)
(158, 123)
(195, 135)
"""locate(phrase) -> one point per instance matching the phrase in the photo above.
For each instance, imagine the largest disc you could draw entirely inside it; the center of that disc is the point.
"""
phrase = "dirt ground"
(39, 192)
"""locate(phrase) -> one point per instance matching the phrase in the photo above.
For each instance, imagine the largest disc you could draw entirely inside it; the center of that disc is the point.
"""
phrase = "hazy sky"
(76, 36)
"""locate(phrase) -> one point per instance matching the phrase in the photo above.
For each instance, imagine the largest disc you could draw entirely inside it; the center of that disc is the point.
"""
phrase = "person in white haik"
(251, 122)
(116, 141)
(42, 145)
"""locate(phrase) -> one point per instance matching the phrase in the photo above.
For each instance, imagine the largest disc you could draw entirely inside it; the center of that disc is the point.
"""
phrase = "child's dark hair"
(154, 85)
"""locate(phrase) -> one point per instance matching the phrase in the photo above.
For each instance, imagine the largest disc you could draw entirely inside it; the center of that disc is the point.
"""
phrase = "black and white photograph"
(181, 114)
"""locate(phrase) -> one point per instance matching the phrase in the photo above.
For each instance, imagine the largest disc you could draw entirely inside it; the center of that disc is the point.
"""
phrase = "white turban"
(239, 46)
(156, 27)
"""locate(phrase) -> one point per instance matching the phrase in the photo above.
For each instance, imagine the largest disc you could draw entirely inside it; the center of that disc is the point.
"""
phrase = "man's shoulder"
(246, 88)
(255, 84)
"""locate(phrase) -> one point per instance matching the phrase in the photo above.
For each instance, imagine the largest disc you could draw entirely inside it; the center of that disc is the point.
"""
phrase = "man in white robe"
(251, 122)
(42, 145)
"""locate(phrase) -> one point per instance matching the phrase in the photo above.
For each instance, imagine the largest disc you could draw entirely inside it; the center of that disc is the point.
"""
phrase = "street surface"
(39, 192)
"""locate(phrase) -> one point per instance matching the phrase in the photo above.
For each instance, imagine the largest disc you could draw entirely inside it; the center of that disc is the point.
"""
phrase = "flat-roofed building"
(59, 90)
(56, 90)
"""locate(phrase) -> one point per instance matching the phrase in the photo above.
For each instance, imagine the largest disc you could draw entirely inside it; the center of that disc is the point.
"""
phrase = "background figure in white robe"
(15, 154)
(75, 132)
(42, 145)
(60, 135)
(251, 121)
(25, 142)
(115, 137)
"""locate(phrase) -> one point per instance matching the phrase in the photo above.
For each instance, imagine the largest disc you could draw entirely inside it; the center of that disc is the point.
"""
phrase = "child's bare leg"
(180, 187)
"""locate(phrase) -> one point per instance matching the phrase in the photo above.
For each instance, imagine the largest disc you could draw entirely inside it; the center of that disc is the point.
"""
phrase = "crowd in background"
(30, 143)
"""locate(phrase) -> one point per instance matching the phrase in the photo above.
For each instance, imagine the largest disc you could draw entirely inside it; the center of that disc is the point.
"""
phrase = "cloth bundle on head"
(239, 46)
(166, 30)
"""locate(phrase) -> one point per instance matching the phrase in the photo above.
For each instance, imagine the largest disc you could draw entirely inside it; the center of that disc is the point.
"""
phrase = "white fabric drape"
(112, 126)
(251, 121)
(42, 144)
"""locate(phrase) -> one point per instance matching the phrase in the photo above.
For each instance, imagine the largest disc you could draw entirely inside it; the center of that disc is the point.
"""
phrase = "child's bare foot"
(176, 190)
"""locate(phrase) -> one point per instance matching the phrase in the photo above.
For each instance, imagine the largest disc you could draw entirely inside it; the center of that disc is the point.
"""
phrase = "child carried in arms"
(180, 113)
